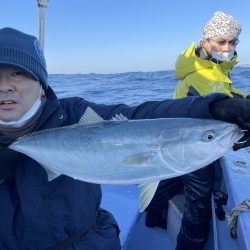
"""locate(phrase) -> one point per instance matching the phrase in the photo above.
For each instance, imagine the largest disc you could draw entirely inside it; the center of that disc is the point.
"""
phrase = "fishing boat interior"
(230, 225)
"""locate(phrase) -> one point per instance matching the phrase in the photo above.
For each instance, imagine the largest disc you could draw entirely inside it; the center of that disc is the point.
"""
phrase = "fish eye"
(209, 135)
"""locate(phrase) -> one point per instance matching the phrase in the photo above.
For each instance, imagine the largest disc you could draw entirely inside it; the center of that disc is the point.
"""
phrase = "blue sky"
(111, 36)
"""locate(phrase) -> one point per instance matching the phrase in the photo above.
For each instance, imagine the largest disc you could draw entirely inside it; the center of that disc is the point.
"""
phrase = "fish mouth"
(237, 142)
(235, 137)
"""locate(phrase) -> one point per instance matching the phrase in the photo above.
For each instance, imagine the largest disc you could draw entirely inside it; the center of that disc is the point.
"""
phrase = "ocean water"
(131, 88)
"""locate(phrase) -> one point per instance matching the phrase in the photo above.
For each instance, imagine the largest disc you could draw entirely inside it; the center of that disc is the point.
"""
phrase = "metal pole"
(42, 4)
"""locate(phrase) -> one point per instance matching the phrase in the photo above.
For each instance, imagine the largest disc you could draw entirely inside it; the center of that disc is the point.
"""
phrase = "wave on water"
(130, 88)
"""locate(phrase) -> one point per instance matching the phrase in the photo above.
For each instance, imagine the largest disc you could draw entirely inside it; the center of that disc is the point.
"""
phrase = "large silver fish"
(124, 151)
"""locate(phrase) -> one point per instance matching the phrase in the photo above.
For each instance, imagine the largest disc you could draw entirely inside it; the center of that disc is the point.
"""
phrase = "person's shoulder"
(71, 100)
(73, 106)
(74, 102)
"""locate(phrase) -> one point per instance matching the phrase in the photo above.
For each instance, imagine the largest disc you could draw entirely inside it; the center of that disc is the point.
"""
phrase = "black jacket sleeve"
(193, 107)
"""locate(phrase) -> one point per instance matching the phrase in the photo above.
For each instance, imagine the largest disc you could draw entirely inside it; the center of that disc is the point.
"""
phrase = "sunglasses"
(223, 42)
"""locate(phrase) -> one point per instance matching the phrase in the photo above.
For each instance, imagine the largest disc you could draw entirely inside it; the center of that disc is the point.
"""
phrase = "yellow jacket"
(200, 77)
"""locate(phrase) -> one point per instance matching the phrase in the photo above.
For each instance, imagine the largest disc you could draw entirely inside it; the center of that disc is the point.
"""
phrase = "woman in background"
(200, 71)
(206, 69)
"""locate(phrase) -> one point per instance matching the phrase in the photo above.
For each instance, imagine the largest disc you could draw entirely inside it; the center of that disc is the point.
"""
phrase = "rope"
(42, 4)
(244, 206)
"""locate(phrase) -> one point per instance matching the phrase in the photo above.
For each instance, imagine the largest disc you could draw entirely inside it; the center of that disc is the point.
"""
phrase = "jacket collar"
(53, 115)
(188, 62)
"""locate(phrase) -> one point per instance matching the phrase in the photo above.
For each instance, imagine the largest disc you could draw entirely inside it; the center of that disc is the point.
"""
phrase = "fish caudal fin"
(147, 192)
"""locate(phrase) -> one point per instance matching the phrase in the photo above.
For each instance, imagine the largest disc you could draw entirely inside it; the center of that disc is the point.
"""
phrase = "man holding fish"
(46, 207)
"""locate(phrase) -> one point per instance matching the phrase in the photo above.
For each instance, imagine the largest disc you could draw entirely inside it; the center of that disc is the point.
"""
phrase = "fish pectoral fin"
(51, 174)
(142, 159)
(147, 192)
(90, 116)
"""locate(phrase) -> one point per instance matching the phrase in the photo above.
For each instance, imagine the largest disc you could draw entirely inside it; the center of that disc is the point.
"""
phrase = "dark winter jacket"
(37, 214)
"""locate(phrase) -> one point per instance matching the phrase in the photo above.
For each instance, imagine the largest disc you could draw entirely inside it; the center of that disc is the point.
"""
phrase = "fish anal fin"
(147, 192)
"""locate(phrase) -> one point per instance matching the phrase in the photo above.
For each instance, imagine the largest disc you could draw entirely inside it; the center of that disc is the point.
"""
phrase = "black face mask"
(9, 159)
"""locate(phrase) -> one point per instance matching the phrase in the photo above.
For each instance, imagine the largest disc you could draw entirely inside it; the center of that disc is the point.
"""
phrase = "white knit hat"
(222, 24)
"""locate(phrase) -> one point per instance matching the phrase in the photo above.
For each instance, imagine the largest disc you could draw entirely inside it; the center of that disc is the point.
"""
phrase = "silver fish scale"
(130, 152)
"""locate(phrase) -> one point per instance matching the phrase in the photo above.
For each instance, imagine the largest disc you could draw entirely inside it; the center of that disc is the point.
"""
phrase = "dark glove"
(234, 110)
(9, 159)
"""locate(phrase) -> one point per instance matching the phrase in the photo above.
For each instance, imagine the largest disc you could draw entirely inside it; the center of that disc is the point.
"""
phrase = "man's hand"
(234, 110)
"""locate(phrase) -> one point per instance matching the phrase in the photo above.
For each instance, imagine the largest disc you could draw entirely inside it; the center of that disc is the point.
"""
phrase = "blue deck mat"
(123, 202)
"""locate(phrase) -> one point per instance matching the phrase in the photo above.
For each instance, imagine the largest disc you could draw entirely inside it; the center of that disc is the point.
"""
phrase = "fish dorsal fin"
(119, 117)
(90, 116)
(147, 192)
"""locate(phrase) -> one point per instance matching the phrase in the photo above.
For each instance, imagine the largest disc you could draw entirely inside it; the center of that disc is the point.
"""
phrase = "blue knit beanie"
(23, 51)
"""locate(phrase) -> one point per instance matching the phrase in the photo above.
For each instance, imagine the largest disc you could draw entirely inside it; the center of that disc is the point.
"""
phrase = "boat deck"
(123, 202)
(236, 172)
